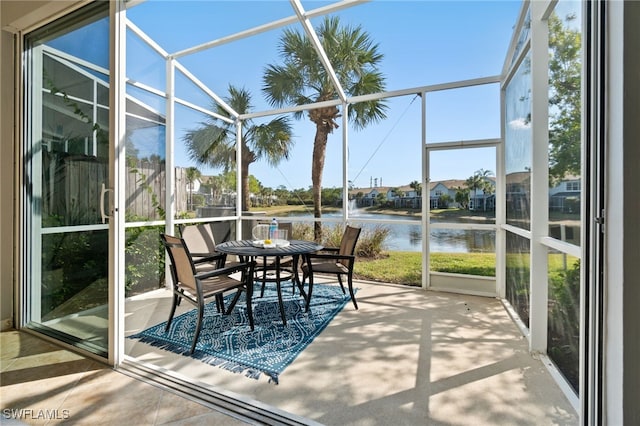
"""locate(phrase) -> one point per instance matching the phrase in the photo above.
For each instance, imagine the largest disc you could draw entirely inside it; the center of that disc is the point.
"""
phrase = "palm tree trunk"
(317, 166)
(245, 186)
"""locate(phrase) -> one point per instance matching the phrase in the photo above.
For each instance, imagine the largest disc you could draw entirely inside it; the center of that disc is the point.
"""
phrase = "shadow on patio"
(405, 357)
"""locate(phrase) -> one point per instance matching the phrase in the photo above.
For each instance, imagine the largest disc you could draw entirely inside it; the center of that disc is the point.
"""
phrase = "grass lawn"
(403, 267)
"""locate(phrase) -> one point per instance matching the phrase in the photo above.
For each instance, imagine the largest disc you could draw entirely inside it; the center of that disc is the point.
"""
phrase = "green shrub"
(332, 235)
(302, 231)
(144, 259)
(371, 244)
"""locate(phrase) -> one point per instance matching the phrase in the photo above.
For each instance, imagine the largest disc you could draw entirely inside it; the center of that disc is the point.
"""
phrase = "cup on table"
(260, 232)
(281, 234)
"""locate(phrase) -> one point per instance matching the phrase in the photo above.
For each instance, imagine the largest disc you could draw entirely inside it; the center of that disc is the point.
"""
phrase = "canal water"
(408, 237)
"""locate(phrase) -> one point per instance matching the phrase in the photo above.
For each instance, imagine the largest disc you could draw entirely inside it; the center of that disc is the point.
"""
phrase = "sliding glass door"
(66, 171)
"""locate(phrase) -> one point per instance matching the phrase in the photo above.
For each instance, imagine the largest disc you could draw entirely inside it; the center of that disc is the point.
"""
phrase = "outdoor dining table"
(249, 250)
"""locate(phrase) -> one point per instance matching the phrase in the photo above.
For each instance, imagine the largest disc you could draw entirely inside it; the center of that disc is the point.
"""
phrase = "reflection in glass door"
(66, 159)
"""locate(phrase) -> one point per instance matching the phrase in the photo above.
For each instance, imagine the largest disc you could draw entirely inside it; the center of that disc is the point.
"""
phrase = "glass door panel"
(67, 170)
(462, 218)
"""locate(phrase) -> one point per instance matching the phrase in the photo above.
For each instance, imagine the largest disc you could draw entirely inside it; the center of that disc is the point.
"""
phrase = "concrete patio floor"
(406, 357)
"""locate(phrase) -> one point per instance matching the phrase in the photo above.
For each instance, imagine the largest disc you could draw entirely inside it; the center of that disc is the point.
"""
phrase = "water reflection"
(462, 241)
(404, 237)
(415, 236)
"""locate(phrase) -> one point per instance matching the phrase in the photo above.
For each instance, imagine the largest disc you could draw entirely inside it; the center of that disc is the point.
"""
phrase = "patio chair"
(338, 261)
(202, 245)
(197, 287)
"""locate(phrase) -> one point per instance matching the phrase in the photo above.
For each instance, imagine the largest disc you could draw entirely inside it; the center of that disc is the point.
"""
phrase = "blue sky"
(423, 42)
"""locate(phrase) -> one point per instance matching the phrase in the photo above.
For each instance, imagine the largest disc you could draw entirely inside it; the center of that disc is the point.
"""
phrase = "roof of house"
(449, 183)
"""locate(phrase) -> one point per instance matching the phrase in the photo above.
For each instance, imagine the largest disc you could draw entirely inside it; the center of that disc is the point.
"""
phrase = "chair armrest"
(207, 257)
(329, 249)
(331, 256)
(226, 270)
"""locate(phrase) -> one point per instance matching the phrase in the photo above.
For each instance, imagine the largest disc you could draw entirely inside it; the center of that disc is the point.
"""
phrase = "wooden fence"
(146, 191)
(71, 188)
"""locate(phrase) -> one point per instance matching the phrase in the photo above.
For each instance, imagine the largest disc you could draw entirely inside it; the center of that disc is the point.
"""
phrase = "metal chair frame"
(337, 261)
(196, 287)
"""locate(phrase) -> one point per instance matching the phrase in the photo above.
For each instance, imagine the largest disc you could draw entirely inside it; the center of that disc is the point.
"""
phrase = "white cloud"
(520, 124)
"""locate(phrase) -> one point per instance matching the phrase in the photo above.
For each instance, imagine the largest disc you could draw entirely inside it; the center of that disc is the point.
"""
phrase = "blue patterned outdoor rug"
(228, 342)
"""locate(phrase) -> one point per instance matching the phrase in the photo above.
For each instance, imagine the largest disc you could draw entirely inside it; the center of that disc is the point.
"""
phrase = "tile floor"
(41, 383)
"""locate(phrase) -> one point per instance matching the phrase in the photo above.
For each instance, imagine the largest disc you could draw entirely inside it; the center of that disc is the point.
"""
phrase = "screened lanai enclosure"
(455, 133)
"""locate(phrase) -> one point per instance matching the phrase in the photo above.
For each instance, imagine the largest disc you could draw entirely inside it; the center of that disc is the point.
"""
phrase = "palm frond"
(209, 145)
(302, 79)
(273, 141)
(239, 99)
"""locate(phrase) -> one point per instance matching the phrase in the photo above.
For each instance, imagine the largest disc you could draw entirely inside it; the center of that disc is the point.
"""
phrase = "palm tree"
(462, 197)
(214, 143)
(476, 182)
(416, 186)
(488, 188)
(192, 174)
(302, 79)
